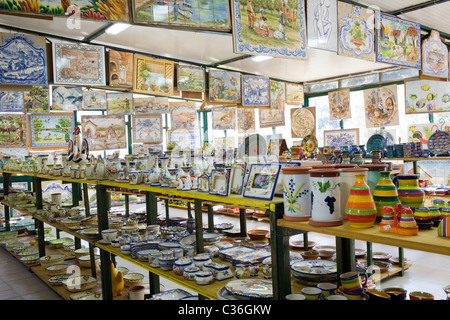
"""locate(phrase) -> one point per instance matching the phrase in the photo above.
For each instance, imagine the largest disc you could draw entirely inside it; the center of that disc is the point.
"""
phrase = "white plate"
(174, 294)
(251, 288)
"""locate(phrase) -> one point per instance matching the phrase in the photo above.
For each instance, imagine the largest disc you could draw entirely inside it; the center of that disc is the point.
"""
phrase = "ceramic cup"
(327, 288)
(353, 281)
(136, 292)
(417, 295)
(337, 297)
(56, 198)
(311, 293)
(295, 296)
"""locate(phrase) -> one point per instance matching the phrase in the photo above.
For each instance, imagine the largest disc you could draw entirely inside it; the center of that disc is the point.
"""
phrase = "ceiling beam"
(416, 7)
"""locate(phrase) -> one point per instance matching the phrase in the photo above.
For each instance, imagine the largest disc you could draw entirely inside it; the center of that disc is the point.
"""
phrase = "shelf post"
(345, 257)
(198, 225)
(243, 222)
(37, 188)
(151, 206)
(105, 256)
(279, 240)
(210, 218)
(6, 185)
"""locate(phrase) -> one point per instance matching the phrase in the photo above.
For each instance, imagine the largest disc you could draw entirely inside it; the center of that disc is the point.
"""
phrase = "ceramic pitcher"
(296, 193)
(325, 197)
(409, 192)
(374, 174)
(360, 210)
(385, 193)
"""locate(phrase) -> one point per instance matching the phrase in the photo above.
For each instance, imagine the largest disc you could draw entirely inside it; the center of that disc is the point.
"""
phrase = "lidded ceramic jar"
(325, 194)
(347, 180)
(360, 210)
(296, 193)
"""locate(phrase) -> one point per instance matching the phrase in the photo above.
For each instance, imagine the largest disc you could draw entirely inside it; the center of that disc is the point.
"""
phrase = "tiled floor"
(429, 272)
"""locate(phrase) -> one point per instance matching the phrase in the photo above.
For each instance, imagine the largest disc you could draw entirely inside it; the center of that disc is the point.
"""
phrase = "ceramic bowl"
(168, 245)
(29, 260)
(418, 295)
(311, 293)
(378, 295)
(258, 234)
(307, 255)
(80, 283)
(326, 254)
(83, 251)
(295, 296)
(109, 234)
(133, 278)
(396, 293)
(48, 260)
(57, 269)
(85, 261)
(166, 262)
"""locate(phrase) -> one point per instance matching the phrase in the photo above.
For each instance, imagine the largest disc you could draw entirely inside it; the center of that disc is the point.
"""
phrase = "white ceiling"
(213, 48)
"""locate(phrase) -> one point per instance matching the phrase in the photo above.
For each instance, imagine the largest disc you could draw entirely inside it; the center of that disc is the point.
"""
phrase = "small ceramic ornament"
(443, 229)
(404, 222)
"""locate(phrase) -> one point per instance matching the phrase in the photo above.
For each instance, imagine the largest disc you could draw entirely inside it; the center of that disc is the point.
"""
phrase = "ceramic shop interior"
(207, 157)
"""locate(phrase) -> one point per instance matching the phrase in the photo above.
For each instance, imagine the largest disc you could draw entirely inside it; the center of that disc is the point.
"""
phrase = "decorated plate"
(309, 145)
(439, 142)
(314, 266)
(302, 122)
(251, 288)
(381, 256)
(376, 142)
(174, 294)
(223, 294)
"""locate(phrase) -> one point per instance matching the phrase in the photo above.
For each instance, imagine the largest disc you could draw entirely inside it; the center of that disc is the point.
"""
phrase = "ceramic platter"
(309, 145)
(311, 272)
(439, 142)
(251, 288)
(376, 142)
(175, 294)
(223, 294)
(384, 256)
(302, 122)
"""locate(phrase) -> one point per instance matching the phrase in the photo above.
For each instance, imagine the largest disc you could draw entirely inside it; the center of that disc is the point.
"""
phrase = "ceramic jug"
(409, 192)
(154, 170)
(385, 193)
(360, 210)
(164, 176)
(186, 179)
(325, 197)
(296, 193)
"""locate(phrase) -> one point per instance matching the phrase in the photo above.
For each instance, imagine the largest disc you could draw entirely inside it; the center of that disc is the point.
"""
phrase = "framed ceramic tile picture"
(150, 104)
(184, 138)
(271, 118)
(120, 69)
(11, 101)
(36, 100)
(277, 29)
(322, 24)
(146, 148)
(277, 94)
(262, 180)
(219, 182)
(381, 107)
(246, 123)
(50, 130)
(14, 131)
(340, 138)
(104, 132)
(147, 128)
(79, 64)
(425, 96)
(255, 91)
(153, 76)
(24, 59)
(203, 183)
(356, 31)
(295, 94)
(94, 100)
(237, 176)
(183, 114)
(119, 103)
(303, 122)
(224, 118)
(398, 41)
(339, 104)
(190, 78)
(66, 98)
(434, 57)
(224, 86)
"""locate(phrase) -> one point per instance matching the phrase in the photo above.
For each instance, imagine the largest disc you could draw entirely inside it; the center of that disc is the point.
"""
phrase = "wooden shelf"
(426, 240)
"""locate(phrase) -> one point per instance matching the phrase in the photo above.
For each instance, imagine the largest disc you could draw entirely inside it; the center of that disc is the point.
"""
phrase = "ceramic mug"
(353, 281)
(136, 292)
(327, 288)
(295, 296)
(311, 293)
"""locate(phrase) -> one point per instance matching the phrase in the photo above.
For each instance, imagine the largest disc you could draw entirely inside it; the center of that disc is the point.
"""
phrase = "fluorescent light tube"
(117, 28)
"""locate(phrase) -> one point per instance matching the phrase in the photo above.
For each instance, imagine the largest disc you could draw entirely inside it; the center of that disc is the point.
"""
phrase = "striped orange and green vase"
(409, 192)
(360, 210)
(385, 193)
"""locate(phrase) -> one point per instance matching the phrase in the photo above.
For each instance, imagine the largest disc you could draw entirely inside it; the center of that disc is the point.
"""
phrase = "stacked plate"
(311, 272)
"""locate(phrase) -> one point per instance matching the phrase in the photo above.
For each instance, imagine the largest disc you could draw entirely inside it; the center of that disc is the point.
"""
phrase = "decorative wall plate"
(251, 288)
(309, 145)
(439, 142)
(376, 142)
(303, 122)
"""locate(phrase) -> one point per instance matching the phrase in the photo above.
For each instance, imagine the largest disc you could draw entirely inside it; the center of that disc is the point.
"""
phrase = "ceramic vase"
(173, 178)
(164, 176)
(385, 193)
(296, 193)
(197, 170)
(153, 168)
(325, 197)
(360, 210)
(409, 192)
(347, 179)
(374, 174)
(186, 179)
